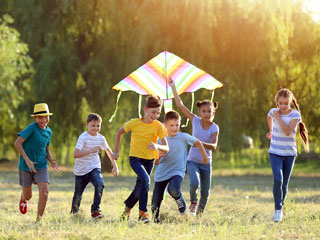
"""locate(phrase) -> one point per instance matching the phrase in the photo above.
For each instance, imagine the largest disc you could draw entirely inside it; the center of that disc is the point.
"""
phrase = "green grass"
(240, 207)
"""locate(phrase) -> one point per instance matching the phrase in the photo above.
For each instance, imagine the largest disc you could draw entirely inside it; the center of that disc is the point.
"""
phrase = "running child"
(172, 166)
(204, 129)
(33, 145)
(143, 150)
(87, 166)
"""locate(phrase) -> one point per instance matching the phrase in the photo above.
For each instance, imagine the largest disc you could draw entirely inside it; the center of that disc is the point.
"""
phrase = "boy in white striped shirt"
(87, 166)
(283, 122)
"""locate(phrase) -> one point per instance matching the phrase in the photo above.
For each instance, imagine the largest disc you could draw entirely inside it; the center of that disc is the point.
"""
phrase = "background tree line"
(69, 53)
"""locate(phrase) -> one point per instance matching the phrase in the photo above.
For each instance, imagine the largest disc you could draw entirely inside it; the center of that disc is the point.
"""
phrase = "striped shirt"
(86, 164)
(281, 144)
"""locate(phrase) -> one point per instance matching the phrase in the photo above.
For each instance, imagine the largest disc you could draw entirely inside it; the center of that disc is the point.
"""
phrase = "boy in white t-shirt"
(87, 166)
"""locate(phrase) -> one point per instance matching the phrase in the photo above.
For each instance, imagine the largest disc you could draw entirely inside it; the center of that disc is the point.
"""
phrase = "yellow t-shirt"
(142, 134)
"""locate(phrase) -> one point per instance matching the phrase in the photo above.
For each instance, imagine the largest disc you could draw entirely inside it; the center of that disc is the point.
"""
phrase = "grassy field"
(240, 207)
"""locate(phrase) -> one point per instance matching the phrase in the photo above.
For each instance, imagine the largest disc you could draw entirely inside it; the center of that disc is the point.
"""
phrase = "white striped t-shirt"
(281, 144)
(87, 163)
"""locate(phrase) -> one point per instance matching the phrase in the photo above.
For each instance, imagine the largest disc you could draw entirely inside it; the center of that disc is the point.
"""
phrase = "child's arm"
(179, 102)
(19, 147)
(287, 129)
(164, 147)
(115, 170)
(199, 145)
(213, 142)
(52, 160)
(78, 153)
(270, 125)
(119, 134)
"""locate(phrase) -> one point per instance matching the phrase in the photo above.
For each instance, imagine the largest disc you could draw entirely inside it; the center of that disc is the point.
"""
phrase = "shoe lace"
(193, 207)
(23, 205)
(180, 203)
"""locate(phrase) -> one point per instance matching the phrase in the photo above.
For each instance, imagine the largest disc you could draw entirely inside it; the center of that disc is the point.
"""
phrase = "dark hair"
(153, 101)
(214, 104)
(94, 117)
(172, 115)
(286, 93)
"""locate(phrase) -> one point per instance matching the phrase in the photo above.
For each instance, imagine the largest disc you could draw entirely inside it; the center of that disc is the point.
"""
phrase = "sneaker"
(23, 206)
(97, 214)
(143, 216)
(277, 216)
(181, 206)
(126, 214)
(192, 208)
(74, 213)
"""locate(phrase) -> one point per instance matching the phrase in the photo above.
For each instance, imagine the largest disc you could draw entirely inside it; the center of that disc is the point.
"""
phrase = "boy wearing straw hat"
(33, 145)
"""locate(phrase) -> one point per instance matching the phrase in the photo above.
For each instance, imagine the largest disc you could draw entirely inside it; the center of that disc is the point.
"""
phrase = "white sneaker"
(277, 216)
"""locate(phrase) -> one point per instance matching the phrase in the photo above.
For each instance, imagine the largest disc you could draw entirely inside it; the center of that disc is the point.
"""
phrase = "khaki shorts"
(27, 178)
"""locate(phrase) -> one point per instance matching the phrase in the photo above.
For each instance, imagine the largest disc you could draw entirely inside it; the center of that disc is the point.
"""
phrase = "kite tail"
(212, 95)
(115, 111)
(192, 94)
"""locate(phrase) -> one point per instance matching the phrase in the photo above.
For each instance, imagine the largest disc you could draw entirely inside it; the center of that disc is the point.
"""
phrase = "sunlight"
(313, 7)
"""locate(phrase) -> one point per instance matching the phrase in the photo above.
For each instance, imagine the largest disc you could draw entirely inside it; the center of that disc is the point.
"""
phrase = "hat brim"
(41, 114)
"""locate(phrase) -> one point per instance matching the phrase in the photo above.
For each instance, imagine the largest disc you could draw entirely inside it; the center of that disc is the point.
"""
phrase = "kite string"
(192, 95)
(115, 111)
(212, 95)
(139, 105)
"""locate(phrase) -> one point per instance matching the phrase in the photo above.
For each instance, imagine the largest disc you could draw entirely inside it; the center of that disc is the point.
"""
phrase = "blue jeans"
(200, 176)
(143, 168)
(173, 189)
(95, 177)
(281, 168)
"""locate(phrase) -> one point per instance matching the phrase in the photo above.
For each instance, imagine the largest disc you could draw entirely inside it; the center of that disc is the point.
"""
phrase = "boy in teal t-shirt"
(33, 145)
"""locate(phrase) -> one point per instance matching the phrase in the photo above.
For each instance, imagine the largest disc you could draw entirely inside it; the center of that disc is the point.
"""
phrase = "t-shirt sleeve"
(296, 115)
(80, 142)
(128, 125)
(162, 131)
(104, 143)
(272, 110)
(189, 139)
(27, 132)
(215, 128)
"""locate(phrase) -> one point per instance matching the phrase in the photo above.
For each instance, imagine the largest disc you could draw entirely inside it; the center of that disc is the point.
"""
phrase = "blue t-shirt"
(204, 135)
(174, 162)
(35, 145)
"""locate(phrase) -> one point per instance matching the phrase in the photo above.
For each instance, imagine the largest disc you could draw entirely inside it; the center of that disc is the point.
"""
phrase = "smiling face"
(173, 126)
(151, 114)
(94, 127)
(283, 104)
(206, 112)
(42, 121)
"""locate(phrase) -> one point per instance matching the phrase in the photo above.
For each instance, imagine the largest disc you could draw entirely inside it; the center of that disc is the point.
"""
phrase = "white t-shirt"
(86, 164)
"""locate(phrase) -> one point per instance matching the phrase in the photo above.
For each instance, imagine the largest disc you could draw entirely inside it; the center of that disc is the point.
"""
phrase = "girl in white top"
(283, 122)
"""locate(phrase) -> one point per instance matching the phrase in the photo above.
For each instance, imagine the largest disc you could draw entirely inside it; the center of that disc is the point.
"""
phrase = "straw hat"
(41, 109)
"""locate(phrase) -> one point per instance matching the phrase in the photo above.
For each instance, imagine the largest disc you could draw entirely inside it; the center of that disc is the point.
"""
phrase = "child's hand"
(153, 146)
(31, 166)
(204, 160)
(161, 154)
(115, 171)
(115, 155)
(54, 165)
(171, 82)
(269, 135)
(157, 161)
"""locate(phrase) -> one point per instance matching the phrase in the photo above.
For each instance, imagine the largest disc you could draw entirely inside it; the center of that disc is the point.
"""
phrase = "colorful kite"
(152, 78)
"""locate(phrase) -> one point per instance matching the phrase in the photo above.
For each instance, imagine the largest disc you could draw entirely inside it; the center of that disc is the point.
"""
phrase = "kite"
(152, 78)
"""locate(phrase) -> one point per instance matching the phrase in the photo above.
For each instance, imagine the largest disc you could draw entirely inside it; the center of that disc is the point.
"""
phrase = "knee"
(175, 193)
(99, 187)
(194, 185)
(145, 183)
(44, 193)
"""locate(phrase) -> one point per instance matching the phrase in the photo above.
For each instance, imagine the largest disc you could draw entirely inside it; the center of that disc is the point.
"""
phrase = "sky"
(313, 6)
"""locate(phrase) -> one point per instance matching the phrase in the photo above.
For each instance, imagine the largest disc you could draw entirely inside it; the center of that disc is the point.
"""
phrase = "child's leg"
(174, 191)
(97, 182)
(26, 194)
(80, 184)
(205, 184)
(194, 177)
(157, 197)
(288, 164)
(43, 198)
(277, 165)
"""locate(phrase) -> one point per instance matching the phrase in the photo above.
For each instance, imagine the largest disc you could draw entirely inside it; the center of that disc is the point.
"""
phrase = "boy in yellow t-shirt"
(143, 150)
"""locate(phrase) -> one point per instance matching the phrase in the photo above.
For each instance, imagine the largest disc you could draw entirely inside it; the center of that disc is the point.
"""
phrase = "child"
(207, 132)
(143, 151)
(283, 122)
(87, 166)
(172, 166)
(33, 145)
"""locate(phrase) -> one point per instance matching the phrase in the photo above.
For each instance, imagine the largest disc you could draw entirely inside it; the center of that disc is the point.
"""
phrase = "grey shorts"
(27, 178)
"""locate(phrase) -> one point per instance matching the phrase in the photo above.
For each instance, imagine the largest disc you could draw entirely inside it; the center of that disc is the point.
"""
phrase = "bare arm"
(78, 153)
(287, 129)
(270, 125)
(164, 147)
(19, 147)
(199, 145)
(115, 170)
(212, 145)
(185, 111)
(52, 160)
(119, 134)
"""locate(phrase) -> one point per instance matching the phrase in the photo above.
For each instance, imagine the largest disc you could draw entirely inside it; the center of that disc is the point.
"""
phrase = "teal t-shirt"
(35, 145)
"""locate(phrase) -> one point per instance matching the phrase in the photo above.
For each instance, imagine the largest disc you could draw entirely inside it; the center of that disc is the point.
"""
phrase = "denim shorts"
(26, 178)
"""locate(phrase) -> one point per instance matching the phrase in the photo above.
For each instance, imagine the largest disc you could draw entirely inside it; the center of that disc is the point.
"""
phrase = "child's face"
(173, 127)
(151, 114)
(42, 121)
(94, 127)
(284, 103)
(206, 112)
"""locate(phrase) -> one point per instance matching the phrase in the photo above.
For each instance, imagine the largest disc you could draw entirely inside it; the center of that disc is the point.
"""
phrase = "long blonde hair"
(286, 93)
